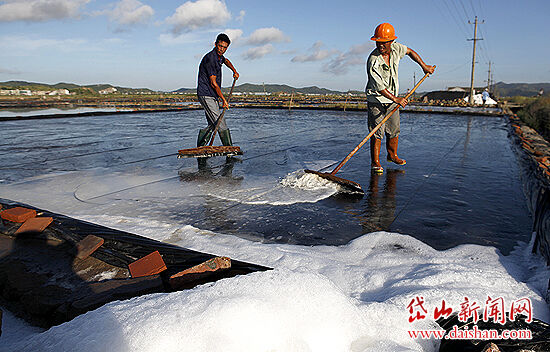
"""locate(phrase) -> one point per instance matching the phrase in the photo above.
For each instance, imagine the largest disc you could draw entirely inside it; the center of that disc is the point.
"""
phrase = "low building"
(59, 92)
(9, 91)
(451, 94)
(444, 95)
(109, 90)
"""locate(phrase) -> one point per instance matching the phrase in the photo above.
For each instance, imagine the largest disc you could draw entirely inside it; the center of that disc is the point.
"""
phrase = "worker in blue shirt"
(209, 90)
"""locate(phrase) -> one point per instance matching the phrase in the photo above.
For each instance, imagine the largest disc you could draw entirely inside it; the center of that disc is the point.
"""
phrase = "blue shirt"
(211, 65)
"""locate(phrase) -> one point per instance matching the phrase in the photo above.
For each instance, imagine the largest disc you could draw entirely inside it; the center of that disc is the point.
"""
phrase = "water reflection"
(379, 212)
(466, 140)
(206, 171)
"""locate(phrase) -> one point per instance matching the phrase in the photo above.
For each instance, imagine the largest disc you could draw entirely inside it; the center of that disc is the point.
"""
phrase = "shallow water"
(460, 185)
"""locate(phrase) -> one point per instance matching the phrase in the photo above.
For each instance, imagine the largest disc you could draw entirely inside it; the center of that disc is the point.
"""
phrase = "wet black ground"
(460, 185)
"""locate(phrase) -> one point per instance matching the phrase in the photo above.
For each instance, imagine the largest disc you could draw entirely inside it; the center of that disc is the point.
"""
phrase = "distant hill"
(70, 86)
(243, 88)
(520, 89)
(500, 89)
(270, 88)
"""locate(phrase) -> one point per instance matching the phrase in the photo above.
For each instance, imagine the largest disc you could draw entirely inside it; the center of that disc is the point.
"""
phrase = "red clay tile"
(179, 280)
(151, 264)
(34, 225)
(88, 245)
(209, 265)
(18, 214)
(544, 160)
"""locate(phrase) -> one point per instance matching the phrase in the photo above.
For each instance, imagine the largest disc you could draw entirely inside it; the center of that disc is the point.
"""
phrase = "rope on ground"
(9, 167)
(173, 177)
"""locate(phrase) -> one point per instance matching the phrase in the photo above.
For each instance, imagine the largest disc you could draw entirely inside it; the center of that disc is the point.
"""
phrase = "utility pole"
(475, 39)
(489, 78)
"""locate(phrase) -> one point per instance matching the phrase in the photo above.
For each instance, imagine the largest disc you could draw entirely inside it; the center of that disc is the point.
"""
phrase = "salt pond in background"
(18, 112)
(343, 277)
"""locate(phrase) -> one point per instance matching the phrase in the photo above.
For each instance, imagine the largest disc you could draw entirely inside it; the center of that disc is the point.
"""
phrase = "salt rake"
(350, 186)
(209, 150)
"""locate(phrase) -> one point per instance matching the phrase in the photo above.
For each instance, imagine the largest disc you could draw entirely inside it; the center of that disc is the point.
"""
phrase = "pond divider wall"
(533, 152)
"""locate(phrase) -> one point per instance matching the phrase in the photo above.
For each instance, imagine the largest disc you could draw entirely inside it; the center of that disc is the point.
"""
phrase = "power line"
(485, 44)
(481, 11)
(483, 49)
(472, 4)
(457, 67)
(459, 24)
(464, 9)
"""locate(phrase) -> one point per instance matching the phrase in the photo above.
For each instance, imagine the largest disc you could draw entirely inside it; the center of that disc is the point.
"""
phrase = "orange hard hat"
(384, 33)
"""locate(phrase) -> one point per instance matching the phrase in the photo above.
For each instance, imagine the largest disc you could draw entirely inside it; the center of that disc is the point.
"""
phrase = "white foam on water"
(318, 298)
(321, 298)
(296, 187)
(120, 190)
(308, 181)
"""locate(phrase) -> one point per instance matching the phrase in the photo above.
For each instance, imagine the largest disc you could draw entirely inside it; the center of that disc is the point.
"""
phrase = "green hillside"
(269, 88)
(520, 89)
(500, 89)
(70, 86)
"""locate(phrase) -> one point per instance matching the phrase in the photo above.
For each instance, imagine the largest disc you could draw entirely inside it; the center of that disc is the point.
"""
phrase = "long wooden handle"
(221, 116)
(376, 128)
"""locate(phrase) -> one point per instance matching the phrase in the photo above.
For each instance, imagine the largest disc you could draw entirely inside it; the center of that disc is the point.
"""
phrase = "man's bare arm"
(232, 68)
(218, 91)
(401, 101)
(416, 58)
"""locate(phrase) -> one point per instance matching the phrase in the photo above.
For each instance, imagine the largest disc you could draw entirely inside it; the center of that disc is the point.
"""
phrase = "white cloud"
(356, 55)
(129, 12)
(258, 52)
(316, 54)
(234, 34)
(267, 35)
(20, 43)
(114, 41)
(184, 38)
(40, 10)
(197, 14)
(240, 18)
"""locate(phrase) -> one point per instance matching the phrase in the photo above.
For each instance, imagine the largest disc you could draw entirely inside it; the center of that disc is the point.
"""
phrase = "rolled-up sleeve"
(400, 49)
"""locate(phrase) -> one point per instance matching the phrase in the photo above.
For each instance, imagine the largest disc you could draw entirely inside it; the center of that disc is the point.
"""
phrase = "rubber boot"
(225, 136)
(202, 164)
(375, 145)
(204, 137)
(391, 146)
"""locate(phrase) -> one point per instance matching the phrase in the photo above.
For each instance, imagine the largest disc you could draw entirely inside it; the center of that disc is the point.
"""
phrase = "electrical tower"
(475, 39)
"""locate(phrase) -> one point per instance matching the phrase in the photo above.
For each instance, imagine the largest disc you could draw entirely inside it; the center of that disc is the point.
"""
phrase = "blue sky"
(158, 44)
